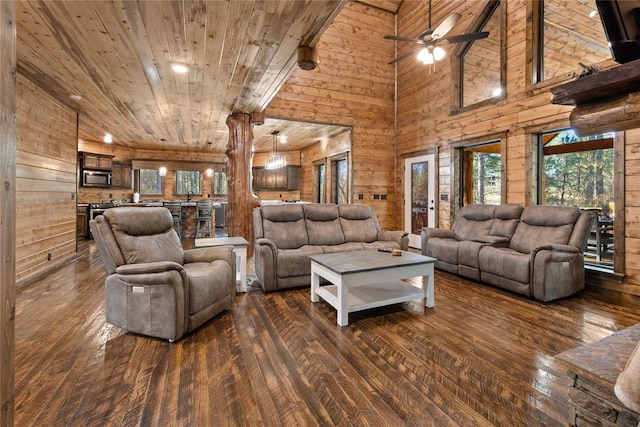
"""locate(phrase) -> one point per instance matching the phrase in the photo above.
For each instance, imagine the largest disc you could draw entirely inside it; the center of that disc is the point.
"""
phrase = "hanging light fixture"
(429, 55)
(275, 160)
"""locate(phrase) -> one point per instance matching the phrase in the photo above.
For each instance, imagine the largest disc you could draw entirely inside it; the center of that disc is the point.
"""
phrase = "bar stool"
(176, 212)
(204, 218)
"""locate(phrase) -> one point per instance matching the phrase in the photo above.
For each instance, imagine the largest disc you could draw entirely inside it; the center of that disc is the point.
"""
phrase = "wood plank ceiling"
(111, 62)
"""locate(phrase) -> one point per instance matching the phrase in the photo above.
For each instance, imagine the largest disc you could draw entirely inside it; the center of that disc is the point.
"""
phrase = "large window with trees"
(579, 171)
(319, 182)
(482, 173)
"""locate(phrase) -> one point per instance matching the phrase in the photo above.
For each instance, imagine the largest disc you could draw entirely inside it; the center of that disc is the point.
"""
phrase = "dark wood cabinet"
(287, 178)
(122, 174)
(96, 161)
(82, 222)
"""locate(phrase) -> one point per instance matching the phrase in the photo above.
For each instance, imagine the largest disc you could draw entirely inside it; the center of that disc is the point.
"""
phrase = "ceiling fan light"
(438, 53)
(425, 56)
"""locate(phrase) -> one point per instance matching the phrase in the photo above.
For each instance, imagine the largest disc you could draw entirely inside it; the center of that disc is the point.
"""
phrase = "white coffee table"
(368, 279)
(239, 247)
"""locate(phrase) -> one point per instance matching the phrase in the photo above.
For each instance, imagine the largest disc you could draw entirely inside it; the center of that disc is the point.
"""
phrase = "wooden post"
(7, 208)
(241, 198)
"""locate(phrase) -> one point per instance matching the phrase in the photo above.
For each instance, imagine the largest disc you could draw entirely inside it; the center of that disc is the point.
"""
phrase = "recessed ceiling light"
(497, 92)
(108, 138)
(75, 97)
(592, 14)
(179, 67)
(283, 139)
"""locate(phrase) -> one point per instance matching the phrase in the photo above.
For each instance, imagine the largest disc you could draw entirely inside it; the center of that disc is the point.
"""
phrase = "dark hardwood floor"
(481, 357)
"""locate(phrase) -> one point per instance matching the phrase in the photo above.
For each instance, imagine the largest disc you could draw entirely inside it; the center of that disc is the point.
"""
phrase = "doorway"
(420, 196)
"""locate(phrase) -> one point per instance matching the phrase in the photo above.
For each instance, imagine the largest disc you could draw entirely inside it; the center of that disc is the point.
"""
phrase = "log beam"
(7, 208)
(241, 198)
(615, 115)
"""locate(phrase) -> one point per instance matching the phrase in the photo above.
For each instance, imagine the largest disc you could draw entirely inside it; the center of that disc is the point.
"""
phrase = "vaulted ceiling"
(111, 62)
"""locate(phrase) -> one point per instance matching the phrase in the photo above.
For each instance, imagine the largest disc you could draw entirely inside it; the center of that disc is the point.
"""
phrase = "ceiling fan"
(430, 37)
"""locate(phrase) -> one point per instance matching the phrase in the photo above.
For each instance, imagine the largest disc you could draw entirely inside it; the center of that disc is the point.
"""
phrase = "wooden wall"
(7, 210)
(45, 181)
(353, 86)
(425, 123)
(322, 153)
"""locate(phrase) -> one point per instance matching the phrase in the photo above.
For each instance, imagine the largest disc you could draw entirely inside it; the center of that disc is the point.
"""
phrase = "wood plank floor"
(481, 357)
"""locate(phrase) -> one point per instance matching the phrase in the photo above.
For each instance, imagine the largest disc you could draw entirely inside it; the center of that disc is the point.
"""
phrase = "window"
(150, 182)
(340, 180)
(579, 171)
(566, 35)
(220, 183)
(320, 183)
(479, 65)
(482, 174)
(187, 183)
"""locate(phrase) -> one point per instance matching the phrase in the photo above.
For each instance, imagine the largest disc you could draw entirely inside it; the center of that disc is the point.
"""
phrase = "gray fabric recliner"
(536, 251)
(154, 287)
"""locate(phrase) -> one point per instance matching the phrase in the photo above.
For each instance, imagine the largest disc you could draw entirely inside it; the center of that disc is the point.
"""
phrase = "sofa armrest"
(557, 271)
(497, 241)
(148, 268)
(432, 232)
(265, 257)
(398, 236)
(209, 254)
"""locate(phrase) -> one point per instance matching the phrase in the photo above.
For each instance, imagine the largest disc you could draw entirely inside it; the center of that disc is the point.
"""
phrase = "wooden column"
(7, 208)
(241, 198)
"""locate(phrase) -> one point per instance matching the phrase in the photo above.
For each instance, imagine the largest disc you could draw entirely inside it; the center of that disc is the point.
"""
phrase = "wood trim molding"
(8, 149)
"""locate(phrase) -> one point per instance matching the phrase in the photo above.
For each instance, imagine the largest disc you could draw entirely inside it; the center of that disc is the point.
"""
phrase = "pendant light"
(275, 160)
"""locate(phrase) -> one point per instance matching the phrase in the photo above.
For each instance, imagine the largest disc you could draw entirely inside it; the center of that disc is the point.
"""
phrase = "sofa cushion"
(345, 247)
(208, 283)
(506, 220)
(284, 226)
(505, 262)
(544, 225)
(296, 262)
(473, 220)
(358, 223)
(443, 249)
(323, 224)
(145, 238)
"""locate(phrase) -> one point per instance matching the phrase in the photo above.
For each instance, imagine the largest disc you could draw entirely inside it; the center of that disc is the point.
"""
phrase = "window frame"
(457, 63)
(159, 183)
(188, 192)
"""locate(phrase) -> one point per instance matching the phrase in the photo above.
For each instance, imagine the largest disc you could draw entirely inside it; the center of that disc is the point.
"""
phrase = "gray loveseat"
(285, 236)
(536, 251)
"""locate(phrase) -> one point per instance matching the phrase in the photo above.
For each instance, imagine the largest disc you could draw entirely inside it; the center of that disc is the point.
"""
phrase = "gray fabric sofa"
(285, 236)
(154, 287)
(535, 251)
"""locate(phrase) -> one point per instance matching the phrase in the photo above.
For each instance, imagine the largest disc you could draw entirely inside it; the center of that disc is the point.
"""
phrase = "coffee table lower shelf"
(372, 295)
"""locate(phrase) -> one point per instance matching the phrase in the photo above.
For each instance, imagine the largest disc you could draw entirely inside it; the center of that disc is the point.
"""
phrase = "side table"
(239, 247)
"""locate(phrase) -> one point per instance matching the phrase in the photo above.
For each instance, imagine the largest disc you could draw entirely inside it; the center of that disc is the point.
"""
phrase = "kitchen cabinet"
(82, 222)
(96, 161)
(122, 173)
(286, 178)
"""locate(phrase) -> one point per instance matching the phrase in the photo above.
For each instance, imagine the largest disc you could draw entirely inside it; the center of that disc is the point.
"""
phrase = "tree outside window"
(220, 183)
(482, 174)
(150, 182)
(187, 183)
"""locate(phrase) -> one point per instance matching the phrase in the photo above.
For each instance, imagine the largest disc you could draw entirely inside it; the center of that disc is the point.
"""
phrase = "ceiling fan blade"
(467, 37)
(404, 55)
(446, 26)
(402, 39)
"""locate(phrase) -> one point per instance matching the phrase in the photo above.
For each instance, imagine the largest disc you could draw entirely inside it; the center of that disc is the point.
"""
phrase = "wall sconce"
(209, 172)
(162, 171)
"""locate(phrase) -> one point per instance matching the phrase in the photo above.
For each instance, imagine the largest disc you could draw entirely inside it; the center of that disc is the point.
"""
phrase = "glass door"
(420, 196)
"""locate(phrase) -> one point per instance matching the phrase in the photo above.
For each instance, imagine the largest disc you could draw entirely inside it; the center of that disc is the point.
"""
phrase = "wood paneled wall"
(7, 210)
(45, 181)
(425, 123)
(323, 152)
(353, 86)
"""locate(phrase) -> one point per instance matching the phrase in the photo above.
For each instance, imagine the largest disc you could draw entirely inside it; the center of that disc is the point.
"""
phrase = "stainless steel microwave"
(91, 178)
